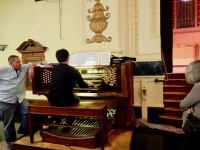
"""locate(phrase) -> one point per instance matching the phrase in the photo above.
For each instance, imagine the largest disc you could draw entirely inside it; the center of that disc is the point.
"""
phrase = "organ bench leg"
(103, 129)
(34, 120)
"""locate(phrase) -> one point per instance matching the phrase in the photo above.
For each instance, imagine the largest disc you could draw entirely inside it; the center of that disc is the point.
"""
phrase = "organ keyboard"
(113, 84)
(91, 75)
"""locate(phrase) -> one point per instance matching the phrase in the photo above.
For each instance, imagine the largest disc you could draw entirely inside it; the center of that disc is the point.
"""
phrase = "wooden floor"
(118, 139)
(148, 136)
(3, 145)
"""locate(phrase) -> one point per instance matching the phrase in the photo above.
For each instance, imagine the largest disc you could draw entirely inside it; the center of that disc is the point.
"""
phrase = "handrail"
(166, 76)
(158, 80)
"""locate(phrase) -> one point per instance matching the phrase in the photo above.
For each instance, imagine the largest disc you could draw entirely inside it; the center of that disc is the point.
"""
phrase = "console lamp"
(2, 47)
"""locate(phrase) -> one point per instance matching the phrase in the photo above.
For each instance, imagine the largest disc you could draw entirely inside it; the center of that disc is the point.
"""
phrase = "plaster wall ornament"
(154, 23)
(98, 23)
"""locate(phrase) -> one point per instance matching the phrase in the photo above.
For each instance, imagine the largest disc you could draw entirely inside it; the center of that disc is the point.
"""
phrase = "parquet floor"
(147, 137)
(118, 139)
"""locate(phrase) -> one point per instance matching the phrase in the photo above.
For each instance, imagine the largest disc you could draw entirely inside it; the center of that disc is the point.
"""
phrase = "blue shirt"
(13, 83)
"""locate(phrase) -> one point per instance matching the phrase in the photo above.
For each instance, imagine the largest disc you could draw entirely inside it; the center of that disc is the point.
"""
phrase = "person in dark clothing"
(63, 79)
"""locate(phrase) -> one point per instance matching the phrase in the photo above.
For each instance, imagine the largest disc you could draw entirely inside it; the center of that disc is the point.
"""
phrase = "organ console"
(112, 84)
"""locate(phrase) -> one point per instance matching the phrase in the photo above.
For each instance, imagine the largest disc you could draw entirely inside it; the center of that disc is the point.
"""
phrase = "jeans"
(8, 111)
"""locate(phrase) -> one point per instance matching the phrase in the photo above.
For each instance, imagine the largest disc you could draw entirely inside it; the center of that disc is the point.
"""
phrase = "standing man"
(12, 96)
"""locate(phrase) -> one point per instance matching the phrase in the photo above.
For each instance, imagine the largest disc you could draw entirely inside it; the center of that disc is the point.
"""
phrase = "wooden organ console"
(113, 84)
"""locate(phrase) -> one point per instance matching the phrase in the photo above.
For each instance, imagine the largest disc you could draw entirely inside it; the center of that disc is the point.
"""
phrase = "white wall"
(144, 29)
(27, 19)
(133, 26)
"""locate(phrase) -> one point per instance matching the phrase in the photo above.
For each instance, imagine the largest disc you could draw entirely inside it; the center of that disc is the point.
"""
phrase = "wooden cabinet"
(31, 51)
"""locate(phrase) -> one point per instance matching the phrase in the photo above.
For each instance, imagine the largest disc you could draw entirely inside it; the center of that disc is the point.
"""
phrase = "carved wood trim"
(32, 51)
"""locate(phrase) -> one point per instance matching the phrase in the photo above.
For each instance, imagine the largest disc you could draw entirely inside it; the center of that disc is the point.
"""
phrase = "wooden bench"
(84, 108)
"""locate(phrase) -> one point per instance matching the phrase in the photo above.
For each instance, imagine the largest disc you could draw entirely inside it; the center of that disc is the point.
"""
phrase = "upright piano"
(112, 83)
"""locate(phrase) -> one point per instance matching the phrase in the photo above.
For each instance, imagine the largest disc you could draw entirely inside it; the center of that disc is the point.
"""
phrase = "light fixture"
(2, 47)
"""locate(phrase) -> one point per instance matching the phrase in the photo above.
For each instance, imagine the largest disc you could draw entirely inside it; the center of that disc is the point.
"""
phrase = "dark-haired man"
(63, 80)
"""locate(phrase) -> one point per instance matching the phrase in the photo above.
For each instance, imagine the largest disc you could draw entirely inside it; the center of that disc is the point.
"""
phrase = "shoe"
(25, 133)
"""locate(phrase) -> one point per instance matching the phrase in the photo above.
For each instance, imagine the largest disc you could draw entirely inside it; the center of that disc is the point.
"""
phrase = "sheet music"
(81, 59)
(92, 58)
(73, 60)
(104, 58)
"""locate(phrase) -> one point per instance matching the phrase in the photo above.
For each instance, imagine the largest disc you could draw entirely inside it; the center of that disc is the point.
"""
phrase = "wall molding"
(133, 43)
(153, 21)
(134, 32)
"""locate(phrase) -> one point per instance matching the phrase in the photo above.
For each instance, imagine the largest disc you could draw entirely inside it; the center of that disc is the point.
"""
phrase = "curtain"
(166, 32)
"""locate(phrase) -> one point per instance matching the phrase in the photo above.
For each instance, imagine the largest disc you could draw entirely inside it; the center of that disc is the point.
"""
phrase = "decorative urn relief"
(98, 23)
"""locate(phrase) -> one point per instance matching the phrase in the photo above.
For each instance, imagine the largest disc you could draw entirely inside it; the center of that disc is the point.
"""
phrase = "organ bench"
(97, 109)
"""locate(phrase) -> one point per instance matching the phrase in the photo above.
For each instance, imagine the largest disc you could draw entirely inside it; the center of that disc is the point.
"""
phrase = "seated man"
(63, 79)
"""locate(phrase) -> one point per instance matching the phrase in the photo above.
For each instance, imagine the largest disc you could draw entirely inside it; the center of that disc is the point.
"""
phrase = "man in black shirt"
(63, 79)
